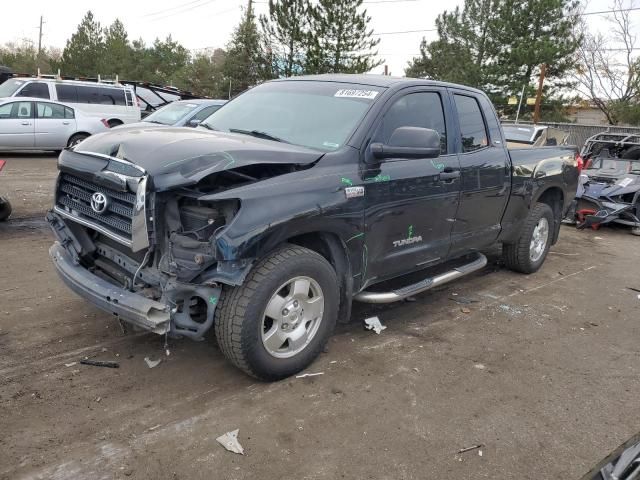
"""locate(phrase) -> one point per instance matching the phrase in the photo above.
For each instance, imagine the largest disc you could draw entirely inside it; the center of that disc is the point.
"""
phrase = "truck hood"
(181, 156)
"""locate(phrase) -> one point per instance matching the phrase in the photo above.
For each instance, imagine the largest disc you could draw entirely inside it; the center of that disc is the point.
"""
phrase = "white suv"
(115, 103)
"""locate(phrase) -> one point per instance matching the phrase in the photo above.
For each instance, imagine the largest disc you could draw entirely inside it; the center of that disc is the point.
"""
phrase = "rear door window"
(50, 110)
(472, 127)
(67, 93)
(35, 89)
(69, 113)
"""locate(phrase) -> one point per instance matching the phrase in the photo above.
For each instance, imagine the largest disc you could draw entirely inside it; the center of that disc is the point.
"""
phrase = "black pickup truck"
(294, 199)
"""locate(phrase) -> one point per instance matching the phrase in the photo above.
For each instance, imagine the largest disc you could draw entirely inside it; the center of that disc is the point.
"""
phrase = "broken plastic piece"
(100, 363)
(152, 363)
(468, 449)
(230, 441)
(373, 323)
(304, 375)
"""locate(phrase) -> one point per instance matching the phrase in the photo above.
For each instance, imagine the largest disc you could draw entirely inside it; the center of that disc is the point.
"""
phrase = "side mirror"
(193, 123)
(409, 142)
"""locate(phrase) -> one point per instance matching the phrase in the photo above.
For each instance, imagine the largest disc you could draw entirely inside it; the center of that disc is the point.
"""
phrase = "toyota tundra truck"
(296, 198)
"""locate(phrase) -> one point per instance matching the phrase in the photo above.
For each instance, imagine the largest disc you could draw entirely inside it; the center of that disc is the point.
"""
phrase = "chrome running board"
(423, 285)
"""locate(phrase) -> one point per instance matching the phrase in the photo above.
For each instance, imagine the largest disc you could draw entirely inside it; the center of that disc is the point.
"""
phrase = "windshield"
(170, 114)
(318, 115)
(9, 87)
(517, 134)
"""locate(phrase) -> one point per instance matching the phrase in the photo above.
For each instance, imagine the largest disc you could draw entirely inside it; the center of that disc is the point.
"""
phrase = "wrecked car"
(520, 135)
(295, 199)
(609, 186)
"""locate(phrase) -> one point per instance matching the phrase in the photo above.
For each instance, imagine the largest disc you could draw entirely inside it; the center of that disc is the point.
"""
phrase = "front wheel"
(529, 251)
(278, 321)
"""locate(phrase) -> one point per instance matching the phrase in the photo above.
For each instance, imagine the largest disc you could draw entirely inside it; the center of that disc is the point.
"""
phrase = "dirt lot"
(542, 371)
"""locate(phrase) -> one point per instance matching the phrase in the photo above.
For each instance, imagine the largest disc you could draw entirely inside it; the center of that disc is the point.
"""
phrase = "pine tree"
(339, 40)
(285, 30)
(82, 54)
(246, 64)
(496, 45)
(116, 59)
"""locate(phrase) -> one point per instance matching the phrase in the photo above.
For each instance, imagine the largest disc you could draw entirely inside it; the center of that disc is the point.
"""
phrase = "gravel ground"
(540, 370)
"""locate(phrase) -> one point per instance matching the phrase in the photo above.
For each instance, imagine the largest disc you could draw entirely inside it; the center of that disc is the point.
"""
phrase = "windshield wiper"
(155, 121)
(258, 134)
(207, 126)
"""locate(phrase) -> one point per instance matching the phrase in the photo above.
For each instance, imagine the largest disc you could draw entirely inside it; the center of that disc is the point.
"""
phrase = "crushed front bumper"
(130, 307)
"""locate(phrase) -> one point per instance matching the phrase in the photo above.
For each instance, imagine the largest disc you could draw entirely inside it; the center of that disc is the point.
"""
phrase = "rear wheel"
(114, 123)
(278, 321)
(528, 253)
(76, 139)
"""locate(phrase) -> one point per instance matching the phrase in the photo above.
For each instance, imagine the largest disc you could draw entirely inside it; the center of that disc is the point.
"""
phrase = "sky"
(199, 24)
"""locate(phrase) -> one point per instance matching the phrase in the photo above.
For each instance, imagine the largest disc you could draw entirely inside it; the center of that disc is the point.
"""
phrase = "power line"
(406, 31)
(630, 9)
(159, 12)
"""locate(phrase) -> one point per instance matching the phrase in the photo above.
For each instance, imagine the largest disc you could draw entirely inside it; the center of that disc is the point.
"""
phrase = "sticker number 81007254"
(356, 93)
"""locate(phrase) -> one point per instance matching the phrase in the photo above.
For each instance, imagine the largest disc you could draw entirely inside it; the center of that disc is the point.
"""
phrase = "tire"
(114, 123)
(76, 139)
(632, 154)
(249, 337)
(635, 231)
(5, 209)
(524, 256)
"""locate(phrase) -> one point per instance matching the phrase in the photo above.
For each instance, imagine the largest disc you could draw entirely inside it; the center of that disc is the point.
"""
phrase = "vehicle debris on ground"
(373, 323)
(100, 363)
(230, 441)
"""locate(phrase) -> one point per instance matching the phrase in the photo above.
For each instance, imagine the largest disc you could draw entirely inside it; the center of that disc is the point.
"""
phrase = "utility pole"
(536, 110)
(40, 37)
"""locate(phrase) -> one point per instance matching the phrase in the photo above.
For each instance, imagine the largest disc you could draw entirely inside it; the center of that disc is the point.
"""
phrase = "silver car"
(182, 113)
(36, 124)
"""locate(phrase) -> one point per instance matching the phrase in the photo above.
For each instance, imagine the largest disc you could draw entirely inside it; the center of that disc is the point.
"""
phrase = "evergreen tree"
(82, 54)
(116, 59)
(285, 30)
(497, 45)
(165, 60)
(339, 40)
(246, 63)
(204, 75)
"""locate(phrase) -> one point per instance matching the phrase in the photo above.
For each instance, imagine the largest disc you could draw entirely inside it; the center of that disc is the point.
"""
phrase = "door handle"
(65, 123)
(26, 123)
(448, 176)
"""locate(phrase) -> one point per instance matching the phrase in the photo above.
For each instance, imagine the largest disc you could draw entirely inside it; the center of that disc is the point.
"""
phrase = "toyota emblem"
(99, 202)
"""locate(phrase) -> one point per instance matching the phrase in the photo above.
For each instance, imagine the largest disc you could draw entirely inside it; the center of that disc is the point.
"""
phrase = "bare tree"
(607, 71)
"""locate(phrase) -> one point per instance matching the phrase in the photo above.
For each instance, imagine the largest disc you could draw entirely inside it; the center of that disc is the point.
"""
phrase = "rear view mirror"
(409, 142)
(194, 123)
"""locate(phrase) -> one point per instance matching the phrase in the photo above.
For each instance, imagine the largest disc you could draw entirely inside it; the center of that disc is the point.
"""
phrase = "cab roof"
(382, 81)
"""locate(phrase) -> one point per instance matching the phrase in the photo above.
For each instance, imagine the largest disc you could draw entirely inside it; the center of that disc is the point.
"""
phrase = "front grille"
(74, 197)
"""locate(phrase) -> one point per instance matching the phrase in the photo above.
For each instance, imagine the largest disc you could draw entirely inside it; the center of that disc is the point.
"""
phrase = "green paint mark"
(410, 231)
(347, 181)
(355, 236)
(439, 166)
(213, 300)
(379, 178)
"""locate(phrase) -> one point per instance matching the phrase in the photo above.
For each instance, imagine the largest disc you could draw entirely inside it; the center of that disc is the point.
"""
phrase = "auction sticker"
(354, 93)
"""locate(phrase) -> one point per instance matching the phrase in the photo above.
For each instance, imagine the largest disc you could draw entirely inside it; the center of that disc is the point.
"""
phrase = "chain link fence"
(578, 133)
